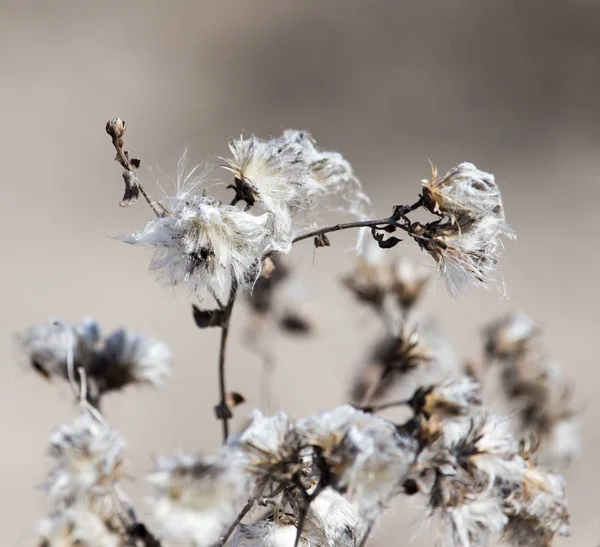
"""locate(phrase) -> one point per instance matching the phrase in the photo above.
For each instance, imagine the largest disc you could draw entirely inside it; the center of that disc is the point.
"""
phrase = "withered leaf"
(207, 318)
(384, 243)
(322, 241)
(233, 399)
(293, 323)
(136, 162)
(132, 189)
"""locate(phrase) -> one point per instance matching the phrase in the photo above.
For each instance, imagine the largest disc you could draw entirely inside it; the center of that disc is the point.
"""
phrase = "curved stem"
(237, 521)
(348, 225)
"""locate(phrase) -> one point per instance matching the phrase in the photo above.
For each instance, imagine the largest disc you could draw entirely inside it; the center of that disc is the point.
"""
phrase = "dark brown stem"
(237, 521)
(400, 212)
(348, 225)
(222, 354)
(374, 388)
(133, 185)
(366, 536)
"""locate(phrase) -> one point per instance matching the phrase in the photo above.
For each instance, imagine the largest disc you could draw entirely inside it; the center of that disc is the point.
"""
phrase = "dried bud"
(268, 266)
(322, 241)
(464, 190)
(207, 318)
(233, 399)
(509, 336)
(116, 128)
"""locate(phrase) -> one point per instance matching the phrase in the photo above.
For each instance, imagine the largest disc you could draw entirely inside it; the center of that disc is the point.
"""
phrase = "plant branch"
(367, 534)
(133, 185)
(399, 212)
(345, 226)
(222, 411)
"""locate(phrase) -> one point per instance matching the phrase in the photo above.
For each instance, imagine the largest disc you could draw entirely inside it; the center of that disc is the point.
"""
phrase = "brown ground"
(510, 85)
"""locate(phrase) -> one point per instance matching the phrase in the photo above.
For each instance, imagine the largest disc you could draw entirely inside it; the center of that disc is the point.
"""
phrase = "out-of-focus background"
(512, 86)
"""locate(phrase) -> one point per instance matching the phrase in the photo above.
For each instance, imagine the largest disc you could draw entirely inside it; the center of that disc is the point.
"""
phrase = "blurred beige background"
(511, 85)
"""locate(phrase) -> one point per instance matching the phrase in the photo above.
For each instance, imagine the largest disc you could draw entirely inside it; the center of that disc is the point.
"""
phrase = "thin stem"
(348, 225)
(374, 388)
(237, 521)
(384, 406)
(367, 534)
(222, 354)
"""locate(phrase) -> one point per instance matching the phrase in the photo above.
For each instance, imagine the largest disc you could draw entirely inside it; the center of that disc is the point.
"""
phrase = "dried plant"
(323, 480)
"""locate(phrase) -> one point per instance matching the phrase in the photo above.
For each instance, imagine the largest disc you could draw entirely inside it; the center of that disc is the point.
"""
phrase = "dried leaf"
(267, 268)
(222, 412)
(384, 243)
(233, 399)
(136, 162)
(322, 241)
(294, 323)
(207, 318)
(132, 189)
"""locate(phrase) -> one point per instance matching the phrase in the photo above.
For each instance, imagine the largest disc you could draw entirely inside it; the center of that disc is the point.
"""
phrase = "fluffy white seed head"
(206, 245)
(289, 177)
(75, 527)
(48, 346)
(133, 358)
(88, 457)
(196, 498)
(267, 533)
(464, 190)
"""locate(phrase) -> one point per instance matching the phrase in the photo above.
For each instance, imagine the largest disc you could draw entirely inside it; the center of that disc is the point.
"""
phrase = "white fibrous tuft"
(133, 358)
(205, 245)
(538, 509)
(562, 444)
(48, 346)
(288, 176)
(490, 451)
(88, 457)
(466, 242)
(464, 190)
(472, 521)
(196, 498)
(275, 534)
(273, 448)
(338, 519)
(110, 364)
(509, 335)
(367, 457)
(77, 526)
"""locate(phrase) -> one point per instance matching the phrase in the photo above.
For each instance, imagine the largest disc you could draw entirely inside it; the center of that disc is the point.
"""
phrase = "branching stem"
(347, 225)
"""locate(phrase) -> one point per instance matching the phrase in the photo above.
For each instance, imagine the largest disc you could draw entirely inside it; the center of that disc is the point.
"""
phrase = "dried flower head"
(131, 358)
(274, 449)
(195, 497)
(206, 245)
(408, 283)
(509, 336)
(369, 281)
(463, 191)
(466, 250)
(537, 509)
(365, 456)
(288, 175)
(89, 457)
(75, 527)
(279, 533)
(392, 358)
(110, 364)
(48, 346)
